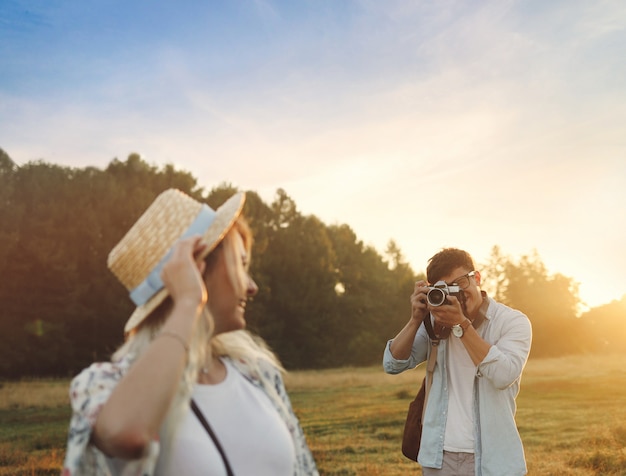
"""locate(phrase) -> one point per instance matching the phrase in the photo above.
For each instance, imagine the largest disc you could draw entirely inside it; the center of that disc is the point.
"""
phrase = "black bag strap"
(213, 436)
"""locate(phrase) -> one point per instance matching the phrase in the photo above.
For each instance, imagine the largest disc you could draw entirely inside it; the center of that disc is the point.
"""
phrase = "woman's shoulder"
(94, 383)
(259, 370)
(103, 370)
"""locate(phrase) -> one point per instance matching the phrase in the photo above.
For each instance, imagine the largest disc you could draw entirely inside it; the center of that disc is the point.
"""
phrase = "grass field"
(571, 415)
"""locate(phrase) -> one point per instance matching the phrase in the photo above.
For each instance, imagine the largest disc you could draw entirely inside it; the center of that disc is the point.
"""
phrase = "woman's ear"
(477, 277)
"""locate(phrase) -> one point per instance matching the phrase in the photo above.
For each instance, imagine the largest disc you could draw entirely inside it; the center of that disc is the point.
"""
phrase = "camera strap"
(429, 328)
(437, 332)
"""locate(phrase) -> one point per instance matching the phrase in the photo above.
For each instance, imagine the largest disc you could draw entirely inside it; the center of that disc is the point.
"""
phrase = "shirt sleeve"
(419, 353)
(507, 357)
(89, 391)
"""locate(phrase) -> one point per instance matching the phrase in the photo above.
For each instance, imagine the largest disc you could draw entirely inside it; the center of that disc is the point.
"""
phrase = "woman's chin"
(235, 325)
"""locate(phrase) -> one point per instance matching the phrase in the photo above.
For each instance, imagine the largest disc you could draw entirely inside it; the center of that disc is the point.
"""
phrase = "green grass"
(571, 415)
(32, 440)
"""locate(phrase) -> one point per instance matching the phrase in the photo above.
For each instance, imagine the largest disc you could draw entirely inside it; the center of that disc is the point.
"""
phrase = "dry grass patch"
(34, 393)
(349, 377)
(571, 415)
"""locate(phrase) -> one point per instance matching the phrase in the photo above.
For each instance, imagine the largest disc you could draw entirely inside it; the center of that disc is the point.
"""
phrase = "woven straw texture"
(155, 232)
(150, 238)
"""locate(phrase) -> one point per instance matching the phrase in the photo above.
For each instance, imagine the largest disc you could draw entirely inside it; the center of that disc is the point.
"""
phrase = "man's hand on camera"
(419, 307)
(449, 313)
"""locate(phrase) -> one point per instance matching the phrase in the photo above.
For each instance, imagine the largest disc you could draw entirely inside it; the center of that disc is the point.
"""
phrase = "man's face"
(469, 281)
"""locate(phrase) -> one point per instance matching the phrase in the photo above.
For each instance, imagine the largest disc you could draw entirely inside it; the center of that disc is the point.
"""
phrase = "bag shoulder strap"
(213, 436)
(432, 359)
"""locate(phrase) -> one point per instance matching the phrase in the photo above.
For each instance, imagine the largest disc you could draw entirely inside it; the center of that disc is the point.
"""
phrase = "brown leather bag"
(412, 436)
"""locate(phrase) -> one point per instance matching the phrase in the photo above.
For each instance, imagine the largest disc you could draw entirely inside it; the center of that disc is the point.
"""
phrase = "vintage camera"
(436, 295)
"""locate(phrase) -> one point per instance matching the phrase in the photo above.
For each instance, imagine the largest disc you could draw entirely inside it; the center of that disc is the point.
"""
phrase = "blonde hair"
(237, 345)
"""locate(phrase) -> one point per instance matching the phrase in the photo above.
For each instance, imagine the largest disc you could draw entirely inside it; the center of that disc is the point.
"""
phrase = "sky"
(470, 124)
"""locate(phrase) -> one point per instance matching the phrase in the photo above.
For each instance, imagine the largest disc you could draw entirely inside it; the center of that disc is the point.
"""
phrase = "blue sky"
(433, 123)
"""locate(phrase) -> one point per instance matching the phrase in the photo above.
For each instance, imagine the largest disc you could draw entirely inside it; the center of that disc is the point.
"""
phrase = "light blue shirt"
(498, 447)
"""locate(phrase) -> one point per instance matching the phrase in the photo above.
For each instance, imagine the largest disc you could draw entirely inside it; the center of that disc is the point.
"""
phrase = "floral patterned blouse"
(91, 388)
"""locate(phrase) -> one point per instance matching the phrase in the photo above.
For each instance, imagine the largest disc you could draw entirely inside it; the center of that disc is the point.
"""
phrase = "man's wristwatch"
(459, 329)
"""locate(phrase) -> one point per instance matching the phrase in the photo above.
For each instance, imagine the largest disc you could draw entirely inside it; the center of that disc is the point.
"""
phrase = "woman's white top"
(254, 437)
(256, 415)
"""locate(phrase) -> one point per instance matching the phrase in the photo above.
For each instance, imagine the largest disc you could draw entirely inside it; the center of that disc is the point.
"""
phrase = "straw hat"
(137, 260)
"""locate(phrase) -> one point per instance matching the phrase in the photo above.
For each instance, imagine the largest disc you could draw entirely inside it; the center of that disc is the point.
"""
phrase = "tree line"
(325, 298)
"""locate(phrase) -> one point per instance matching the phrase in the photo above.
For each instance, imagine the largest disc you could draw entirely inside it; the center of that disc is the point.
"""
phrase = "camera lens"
(436, 297)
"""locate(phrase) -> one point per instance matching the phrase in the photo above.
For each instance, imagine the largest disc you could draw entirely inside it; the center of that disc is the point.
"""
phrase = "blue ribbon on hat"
(153, 282)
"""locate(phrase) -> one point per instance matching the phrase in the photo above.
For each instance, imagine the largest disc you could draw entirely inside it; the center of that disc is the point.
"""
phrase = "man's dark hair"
(444, 262)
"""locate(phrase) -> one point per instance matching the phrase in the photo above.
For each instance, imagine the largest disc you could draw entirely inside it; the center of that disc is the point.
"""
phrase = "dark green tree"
(374, 299)
(62, 308)
(325, 299)
(6, 164)
(298, 276)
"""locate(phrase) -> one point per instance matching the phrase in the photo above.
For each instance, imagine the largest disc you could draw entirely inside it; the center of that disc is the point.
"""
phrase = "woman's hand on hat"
(182, 274)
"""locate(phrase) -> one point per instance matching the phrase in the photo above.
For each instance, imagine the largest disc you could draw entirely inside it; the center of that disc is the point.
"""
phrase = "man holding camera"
(469, 420)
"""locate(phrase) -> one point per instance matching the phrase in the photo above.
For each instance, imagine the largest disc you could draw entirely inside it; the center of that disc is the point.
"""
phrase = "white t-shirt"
(253, 435)
(459, 434)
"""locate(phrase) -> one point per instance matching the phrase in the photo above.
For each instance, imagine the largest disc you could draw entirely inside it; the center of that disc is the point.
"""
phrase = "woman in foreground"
(190, 392)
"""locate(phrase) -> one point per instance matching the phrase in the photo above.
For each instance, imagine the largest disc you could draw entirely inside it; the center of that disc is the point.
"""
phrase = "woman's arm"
(133, 414)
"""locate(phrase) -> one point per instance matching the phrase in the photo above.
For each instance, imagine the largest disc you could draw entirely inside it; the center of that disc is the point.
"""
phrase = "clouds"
(433, 123)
